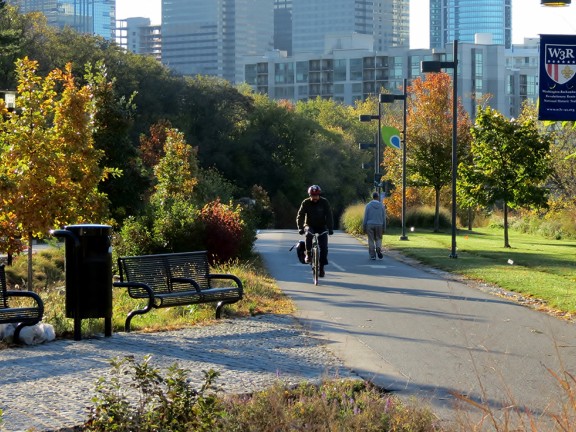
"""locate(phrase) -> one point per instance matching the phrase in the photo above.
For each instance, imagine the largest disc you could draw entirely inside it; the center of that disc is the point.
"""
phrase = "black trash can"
(88, 274)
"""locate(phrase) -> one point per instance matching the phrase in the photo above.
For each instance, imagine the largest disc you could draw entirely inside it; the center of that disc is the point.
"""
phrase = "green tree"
(176, 172)
(510, 160)
(20, 35)
(174, 209)
(334, 159)
(430, 134)
(49, 167)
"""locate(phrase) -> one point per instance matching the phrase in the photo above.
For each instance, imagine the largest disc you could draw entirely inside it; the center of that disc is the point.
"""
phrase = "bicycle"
(315, 255)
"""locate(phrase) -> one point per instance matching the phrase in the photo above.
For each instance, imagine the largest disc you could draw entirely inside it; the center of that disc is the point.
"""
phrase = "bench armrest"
(237, 280)
(187, 281)
(140, 285)
(28, 294)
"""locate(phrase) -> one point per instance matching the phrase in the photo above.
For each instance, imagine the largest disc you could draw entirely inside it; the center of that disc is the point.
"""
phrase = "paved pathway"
(48, 387)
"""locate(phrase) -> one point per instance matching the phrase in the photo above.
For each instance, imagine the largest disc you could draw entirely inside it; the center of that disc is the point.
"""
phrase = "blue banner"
(557, 78)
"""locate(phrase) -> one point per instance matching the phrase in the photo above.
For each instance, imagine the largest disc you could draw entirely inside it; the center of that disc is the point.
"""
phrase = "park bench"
(175, 279)
(23, 315)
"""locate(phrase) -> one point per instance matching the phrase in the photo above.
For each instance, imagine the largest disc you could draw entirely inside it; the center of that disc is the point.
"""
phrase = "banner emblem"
(391, 137)
(560, 62)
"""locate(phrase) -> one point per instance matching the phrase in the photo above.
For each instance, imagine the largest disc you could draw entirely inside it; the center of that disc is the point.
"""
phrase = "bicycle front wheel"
(315, 265)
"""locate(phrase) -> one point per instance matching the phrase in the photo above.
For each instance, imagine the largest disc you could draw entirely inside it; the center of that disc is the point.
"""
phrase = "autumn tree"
(510, 161)
(49, 168)
(429, 160)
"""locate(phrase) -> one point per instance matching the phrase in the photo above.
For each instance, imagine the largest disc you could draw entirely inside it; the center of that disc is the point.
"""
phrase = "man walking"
(373, 225)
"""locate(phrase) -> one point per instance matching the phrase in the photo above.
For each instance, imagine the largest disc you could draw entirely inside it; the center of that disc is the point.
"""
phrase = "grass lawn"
(534, 266)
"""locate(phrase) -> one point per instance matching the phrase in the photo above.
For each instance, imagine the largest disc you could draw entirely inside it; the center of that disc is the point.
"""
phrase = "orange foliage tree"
(429, 159)
(49, 167)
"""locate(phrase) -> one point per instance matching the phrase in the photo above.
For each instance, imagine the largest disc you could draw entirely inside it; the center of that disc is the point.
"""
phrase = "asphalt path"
(426, 335)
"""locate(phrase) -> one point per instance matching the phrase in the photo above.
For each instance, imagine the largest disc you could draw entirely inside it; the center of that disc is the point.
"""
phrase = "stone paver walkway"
(49, 387)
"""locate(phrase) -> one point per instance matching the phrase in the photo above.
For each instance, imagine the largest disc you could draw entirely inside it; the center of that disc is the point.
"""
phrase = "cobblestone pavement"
(49, 386)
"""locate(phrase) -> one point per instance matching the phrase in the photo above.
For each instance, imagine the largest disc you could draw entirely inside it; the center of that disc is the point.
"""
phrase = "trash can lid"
(89, 229)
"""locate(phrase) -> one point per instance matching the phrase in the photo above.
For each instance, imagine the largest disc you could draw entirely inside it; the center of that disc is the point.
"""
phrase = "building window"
(284, 73)
(302, 72)
(340, 70)
(250, 74)
(356, 69)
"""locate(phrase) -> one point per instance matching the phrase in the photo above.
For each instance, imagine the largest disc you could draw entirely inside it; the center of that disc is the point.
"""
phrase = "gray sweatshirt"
(374, 214)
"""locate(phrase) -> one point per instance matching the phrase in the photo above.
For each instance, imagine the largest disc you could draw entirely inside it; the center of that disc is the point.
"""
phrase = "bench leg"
(16, 337)
(19, 327)
(135, 312)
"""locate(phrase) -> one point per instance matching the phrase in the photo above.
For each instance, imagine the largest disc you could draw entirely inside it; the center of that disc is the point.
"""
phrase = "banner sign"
(557, 78)
(391, 137)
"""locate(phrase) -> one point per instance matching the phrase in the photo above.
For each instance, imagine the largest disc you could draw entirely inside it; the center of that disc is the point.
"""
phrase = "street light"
(436, 66)
(368, 118)
(555, 2)
(390, 98)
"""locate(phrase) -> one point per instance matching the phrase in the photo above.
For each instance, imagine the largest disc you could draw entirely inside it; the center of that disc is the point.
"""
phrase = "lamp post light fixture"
(555, 3)
(390, 98)
(436, 66)
(9, 99)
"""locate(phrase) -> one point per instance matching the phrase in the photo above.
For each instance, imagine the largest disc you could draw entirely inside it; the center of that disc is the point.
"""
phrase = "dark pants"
(322, 243)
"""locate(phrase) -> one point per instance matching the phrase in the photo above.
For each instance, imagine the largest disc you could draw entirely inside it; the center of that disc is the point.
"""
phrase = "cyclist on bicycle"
(315, 216)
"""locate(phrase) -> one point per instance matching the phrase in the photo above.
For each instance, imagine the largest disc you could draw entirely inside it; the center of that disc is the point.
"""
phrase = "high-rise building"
(349, 75)
(462, 19)
(283, 25)
(96, 17)
(138, 36)
(212, 37)
(313, 21)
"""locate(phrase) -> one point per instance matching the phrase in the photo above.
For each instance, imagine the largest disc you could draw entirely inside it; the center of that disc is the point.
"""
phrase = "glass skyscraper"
(387, 21)
(463, 19)
(212, 37)
(97, 17)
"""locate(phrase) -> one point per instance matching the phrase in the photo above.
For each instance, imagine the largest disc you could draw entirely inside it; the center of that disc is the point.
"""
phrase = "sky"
(529, 18)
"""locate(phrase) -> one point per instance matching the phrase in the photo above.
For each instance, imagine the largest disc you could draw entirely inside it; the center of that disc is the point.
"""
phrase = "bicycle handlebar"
(318, 234)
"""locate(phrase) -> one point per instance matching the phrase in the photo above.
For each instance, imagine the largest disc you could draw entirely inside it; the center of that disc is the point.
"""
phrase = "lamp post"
(9, 99)
(368, 118)
(436, 66)
(555, 2)
(390, 98)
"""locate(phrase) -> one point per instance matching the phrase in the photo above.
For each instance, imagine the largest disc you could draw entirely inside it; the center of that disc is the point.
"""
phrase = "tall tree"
(510, 160)
(176, 171)
(20, 35)
(430, 134)
(48, 164)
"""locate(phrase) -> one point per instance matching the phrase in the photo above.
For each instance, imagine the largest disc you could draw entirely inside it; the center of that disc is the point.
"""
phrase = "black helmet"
(314, 190)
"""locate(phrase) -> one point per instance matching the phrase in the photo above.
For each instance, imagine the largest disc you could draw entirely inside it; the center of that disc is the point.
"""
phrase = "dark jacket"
(317, 215)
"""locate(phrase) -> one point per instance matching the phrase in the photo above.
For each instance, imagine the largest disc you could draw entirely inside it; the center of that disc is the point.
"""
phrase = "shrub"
(351, 219)
(134, 238)
(226, 235)
(394, 204)
(423, 217)
(178, 228)
(332, 405)
(47, 265)
(136, 396)
(149, 401)
(557, 223)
